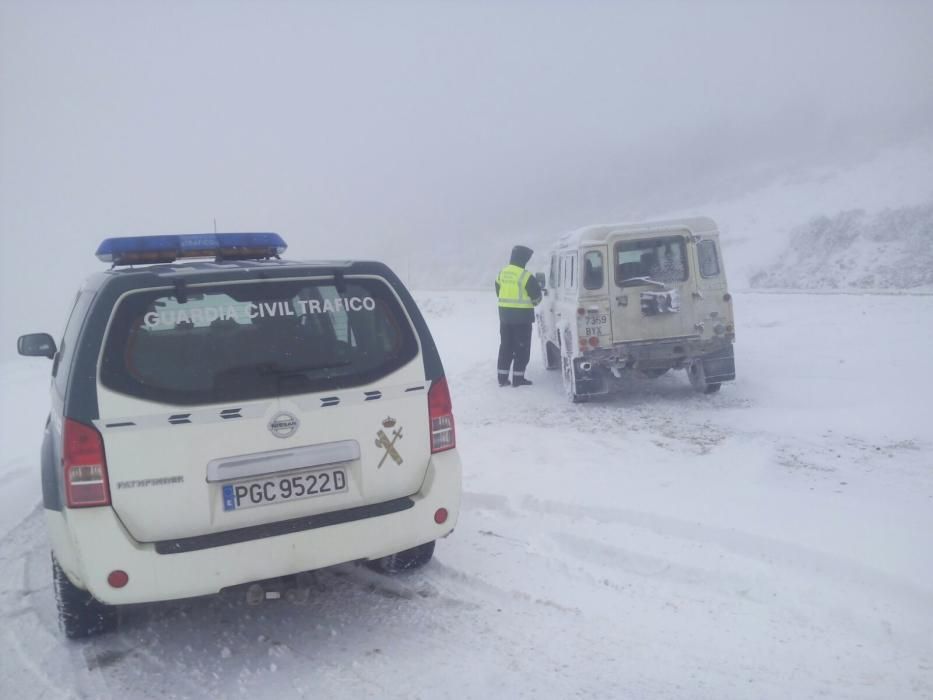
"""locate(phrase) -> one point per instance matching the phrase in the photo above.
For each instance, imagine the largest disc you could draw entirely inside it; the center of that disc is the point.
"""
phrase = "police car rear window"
(208, 344)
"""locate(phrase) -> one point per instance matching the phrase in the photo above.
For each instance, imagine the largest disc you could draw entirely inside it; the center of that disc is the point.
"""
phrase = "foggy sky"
(366, 129)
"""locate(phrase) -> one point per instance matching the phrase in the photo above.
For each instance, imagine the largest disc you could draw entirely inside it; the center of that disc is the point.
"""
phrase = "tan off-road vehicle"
(643, 298)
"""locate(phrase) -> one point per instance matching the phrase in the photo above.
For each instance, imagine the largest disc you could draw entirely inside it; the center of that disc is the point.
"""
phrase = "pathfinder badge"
(383, 441)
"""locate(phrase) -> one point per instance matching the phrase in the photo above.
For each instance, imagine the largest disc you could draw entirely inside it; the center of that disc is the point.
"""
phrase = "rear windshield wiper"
(646, 280)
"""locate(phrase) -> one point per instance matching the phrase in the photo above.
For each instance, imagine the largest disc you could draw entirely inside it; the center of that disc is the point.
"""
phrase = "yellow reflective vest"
(512, 293)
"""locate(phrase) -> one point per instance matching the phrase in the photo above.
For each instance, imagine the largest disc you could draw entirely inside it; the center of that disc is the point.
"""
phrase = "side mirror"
(36, 345)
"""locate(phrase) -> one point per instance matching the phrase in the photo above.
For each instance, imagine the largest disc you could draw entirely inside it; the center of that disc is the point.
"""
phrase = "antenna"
(215, 224)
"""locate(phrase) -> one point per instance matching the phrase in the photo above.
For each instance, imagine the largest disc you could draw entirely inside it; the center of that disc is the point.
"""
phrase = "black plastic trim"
(51, 488)
(284, 527)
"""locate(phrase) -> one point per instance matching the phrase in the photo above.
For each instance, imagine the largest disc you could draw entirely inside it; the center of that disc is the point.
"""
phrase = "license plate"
(289, 487)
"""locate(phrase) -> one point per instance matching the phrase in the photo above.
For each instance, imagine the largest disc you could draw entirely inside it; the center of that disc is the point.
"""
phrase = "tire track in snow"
(67, 669)
(745, 544)
(31, 632)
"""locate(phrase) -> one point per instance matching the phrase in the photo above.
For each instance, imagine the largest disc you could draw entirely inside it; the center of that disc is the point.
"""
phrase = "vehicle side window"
(62, 367)
(593, 276)
(569, 262)
(709, 261)
(553, 277)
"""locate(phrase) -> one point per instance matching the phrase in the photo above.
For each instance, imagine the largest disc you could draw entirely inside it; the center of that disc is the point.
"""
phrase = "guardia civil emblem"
(388, 444)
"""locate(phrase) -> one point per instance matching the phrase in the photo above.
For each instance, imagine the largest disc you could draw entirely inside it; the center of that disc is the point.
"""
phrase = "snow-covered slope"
(889, 250)
(893, 191)
(770, 541)
(759, 217)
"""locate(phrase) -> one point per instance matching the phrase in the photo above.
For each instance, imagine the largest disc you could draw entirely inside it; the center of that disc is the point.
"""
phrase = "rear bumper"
(662, 353)
(93, 542)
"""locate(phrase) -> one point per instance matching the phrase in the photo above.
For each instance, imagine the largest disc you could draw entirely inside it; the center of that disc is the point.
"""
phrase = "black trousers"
(514, 348)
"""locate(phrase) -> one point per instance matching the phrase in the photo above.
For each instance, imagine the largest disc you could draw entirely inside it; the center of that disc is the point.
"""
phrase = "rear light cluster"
(118, 578)
(85, 466)
(441, 414)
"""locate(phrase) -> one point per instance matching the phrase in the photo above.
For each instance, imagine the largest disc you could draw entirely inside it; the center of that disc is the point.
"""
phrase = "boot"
(519, 380)
(504, 379)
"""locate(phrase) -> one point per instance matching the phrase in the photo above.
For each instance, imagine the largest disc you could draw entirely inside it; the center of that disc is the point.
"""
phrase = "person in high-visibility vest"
(519, 293)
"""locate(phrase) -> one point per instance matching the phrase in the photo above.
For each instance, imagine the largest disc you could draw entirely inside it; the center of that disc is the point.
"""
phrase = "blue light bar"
(162, 249)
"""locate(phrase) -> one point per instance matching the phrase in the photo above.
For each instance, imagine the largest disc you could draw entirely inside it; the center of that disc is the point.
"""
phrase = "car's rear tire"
(79, 613)
(407, 559)
(550, 354)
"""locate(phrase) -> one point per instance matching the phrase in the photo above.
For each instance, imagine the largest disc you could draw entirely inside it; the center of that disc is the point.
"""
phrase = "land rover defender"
(643, 298)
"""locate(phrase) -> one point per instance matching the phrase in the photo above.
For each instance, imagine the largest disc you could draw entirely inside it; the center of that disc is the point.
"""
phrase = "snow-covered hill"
(766, 212)
(889, 250)
(804, 224)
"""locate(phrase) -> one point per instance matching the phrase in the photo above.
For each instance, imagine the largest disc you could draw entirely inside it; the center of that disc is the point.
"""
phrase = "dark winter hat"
(520, 255)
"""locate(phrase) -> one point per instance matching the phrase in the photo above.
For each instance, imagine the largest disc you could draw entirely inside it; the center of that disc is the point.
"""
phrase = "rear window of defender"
(240, 341)
(652, 259)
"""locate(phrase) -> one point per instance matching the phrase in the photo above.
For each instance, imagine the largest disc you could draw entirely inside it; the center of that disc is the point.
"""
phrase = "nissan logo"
(283, 425)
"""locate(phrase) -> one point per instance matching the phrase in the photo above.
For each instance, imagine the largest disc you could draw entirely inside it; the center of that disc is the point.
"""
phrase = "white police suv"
(237, 419)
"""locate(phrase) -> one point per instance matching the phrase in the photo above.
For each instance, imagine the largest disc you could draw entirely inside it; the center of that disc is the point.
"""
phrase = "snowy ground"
(771, 541)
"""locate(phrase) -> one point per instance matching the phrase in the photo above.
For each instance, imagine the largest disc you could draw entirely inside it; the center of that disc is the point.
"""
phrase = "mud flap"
(591, 383)
(719, 366)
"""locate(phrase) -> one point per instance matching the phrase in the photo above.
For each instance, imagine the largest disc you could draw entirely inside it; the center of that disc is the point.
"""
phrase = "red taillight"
(440, 516)
(118, 578)
(594, 341)
(441, 417)
(85, 466)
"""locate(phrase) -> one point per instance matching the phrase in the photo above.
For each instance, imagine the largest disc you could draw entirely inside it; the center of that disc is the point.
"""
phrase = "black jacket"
(520, 256)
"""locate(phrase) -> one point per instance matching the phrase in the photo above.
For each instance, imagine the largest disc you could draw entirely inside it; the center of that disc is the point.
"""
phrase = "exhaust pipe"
(255, 594)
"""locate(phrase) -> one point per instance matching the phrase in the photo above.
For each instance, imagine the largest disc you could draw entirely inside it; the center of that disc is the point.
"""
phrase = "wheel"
(405, 560)
(654, 373)
(697, 376)
(550, 354)
(79, 613)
